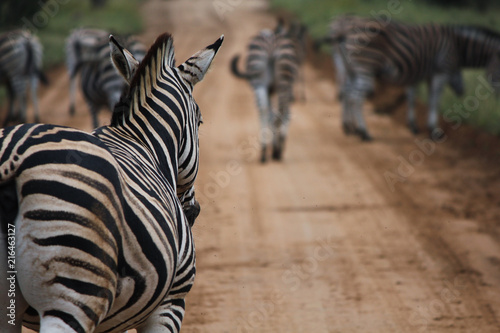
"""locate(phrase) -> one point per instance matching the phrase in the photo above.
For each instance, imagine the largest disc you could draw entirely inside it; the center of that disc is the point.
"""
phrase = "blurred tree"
(477, 4)
(14, 13)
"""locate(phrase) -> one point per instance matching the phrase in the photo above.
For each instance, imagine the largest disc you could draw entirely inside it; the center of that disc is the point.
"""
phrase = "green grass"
(317, 14)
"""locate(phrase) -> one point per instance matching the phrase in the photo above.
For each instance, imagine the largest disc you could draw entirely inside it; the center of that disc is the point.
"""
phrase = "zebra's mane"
(163, 47)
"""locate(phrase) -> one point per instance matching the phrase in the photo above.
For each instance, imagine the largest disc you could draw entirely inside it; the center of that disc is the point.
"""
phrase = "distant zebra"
(102, 243)
(298, 33)
(271, 69)
(365, 29)
(20, 66)
(405, 55)
(87, 53)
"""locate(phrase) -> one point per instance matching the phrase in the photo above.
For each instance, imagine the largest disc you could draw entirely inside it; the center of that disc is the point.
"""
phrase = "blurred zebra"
(87, 53)
(271, 68)
(102, 243)
(365, 29)
(298, 34)
(20, 66)
(405, 55)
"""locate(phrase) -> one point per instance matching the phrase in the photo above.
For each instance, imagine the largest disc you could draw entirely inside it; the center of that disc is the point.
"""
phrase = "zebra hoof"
(436, 134)
(348, 130)
(363, 134)
(413, 128)
(277, 154)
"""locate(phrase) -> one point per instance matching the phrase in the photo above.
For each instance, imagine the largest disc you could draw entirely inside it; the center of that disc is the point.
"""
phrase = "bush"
(12, 12)
(476, 4)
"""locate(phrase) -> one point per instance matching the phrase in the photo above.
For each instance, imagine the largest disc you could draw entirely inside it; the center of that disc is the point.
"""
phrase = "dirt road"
(398, 235)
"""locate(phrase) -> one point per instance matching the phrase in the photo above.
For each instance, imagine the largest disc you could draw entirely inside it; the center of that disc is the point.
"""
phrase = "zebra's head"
(180, 81)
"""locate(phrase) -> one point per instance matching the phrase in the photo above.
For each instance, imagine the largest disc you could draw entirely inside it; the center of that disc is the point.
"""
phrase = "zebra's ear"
(194, 69)
(123, 60)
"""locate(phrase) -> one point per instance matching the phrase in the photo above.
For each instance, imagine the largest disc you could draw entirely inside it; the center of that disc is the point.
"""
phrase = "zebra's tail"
(236, 71)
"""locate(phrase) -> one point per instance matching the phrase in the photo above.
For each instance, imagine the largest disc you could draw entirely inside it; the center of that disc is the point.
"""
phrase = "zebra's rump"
(73, 202)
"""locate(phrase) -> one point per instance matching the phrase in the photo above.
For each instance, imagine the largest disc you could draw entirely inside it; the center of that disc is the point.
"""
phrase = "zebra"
(271, 69)
(364, 29)
(392, 55)
(298, 33)
(87, 53)
(20, 66)
(102, 243)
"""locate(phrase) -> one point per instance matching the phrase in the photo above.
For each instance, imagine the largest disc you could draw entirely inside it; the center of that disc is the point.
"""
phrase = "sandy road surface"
(342, 236)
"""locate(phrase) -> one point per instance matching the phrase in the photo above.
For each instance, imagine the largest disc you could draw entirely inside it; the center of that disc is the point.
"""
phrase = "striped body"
(404, 55)
(87, 53)
(271, 69)
(20, 67)
(102, 241)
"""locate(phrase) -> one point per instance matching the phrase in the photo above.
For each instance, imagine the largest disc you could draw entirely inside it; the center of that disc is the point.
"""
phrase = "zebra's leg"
(94, 110)
(281, 123)
(10, 110)
(346, 87)
(356, 96)
(410, 94)
(348, 121)
(34, 91)
(56, 280)
(302, 84)
(435, 90)
(72, 93)
(169, 315)
(166, 318)
(356, 103)
(21, 93)
(266, 134)
(456, 83)
(18, 112)
(340, 71)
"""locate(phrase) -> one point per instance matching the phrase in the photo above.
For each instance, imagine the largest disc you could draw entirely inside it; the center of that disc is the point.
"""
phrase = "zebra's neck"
(153, 113)
(476, 45)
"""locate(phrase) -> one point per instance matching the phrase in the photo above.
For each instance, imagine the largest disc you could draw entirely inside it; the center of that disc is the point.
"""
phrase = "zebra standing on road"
(271, 68)
(20, 66)
(87, 53)
(405, 55)
(102, 242)
(364, 29)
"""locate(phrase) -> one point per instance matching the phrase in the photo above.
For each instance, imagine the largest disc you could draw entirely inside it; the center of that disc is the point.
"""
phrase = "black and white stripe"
(101, 238)
(20, 67)
(271, 69)
(405, 55)
(87, 53)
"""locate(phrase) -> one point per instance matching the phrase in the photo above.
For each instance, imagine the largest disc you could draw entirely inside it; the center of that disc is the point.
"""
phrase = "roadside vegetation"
(52, 20)
(480, 112)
